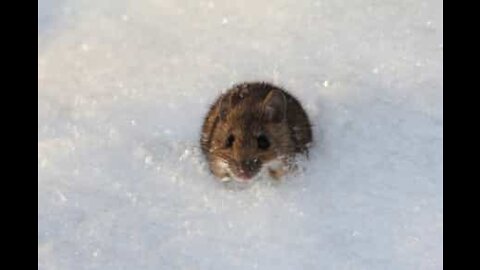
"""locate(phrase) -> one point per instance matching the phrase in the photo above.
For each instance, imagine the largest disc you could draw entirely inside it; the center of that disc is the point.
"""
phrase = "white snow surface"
(123, 89)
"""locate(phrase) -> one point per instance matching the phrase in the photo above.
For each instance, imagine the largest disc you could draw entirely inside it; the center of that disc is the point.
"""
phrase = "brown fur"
(247, 111)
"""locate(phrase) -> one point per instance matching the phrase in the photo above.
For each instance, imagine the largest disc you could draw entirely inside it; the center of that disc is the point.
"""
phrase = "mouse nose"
(251, 164)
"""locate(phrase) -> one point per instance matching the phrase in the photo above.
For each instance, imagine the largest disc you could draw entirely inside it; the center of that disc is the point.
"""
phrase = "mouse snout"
(251, 164)
(249, 167)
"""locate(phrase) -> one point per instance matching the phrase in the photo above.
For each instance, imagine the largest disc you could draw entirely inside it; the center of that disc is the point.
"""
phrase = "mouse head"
(252, 131)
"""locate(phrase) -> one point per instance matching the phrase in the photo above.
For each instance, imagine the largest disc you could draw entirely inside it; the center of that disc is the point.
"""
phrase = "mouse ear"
(275, 106)
(223, 107)
(230, 100)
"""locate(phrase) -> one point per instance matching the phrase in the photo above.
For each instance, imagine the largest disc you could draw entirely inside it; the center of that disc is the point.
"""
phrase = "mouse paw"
(277, 173)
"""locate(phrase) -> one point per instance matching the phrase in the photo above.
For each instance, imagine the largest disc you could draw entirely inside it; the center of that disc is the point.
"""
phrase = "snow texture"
(123, 89)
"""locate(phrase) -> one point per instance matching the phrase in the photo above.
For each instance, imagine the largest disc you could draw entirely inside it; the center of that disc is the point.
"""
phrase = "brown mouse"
(254, 127)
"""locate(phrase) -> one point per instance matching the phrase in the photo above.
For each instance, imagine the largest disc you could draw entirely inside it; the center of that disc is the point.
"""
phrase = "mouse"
(254, 129)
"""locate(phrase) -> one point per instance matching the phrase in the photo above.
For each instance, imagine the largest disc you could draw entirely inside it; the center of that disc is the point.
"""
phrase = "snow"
(124, 86)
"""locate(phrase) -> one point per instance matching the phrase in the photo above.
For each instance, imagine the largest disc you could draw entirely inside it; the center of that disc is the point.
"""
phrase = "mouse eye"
(263, 142)
(229, 141)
